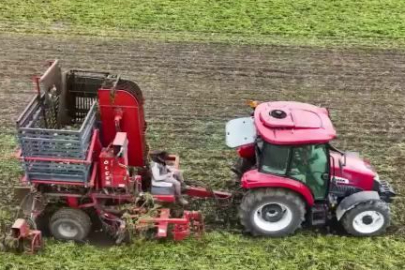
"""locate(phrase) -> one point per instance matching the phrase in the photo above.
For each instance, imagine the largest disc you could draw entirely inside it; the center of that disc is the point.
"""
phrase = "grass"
(308, 249)
(222, 251)
(304, 22)
(10, 171)
(322, 22)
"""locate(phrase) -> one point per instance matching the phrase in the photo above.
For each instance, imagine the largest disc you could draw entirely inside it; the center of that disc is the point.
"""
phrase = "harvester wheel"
(367, 219)
(272, 212)
(70, 224)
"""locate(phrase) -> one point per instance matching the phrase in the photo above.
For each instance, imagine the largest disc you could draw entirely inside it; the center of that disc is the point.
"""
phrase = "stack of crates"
(51, 152)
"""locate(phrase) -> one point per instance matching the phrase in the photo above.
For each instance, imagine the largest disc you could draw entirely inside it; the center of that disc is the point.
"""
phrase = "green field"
(198, 62)
(218, 249)
(344, 22)
(223, 251)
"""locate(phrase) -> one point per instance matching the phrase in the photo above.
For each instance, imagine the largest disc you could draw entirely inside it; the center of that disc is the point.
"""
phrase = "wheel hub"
(272, 213)
(67, 230)
(368, 222)
(273, 216)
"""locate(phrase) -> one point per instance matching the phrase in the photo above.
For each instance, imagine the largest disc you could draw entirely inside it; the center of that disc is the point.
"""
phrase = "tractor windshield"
(275, 159)
(307, 164)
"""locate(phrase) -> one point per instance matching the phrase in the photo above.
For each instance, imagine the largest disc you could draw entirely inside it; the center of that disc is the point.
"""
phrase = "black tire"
(352, 227)
(257, 200)
(70, 224)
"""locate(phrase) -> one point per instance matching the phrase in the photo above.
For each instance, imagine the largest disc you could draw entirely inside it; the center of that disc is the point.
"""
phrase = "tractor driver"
(162, 172)
(309, 165)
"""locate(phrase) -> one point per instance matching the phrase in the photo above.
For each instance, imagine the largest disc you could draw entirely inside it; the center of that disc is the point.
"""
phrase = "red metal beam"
(205, 193)
(164, 198)
(94, 140)
(67, 160)
(38, 181)
(180, 221)
(162, 225)
(93, 175)
(55, 194)
(72, 201)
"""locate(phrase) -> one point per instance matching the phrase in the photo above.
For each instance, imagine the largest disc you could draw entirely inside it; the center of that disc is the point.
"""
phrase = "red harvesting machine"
(83, 149)
(82, 145)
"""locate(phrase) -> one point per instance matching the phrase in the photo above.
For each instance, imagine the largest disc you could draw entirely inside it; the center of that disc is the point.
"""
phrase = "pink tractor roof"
(292, 123)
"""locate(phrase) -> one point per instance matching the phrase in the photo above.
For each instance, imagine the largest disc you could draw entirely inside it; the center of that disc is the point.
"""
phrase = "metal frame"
(65, 171)
(49, 142)
(58, 155)
(22, 233)
(71, 159)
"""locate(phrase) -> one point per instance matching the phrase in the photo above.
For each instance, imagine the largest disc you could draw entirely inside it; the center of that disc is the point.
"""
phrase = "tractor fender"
(351, 201)
(253, 179)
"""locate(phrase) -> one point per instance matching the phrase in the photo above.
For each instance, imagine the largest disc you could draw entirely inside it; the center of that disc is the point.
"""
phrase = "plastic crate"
(59, 171)
(36, 140)
(52, 154)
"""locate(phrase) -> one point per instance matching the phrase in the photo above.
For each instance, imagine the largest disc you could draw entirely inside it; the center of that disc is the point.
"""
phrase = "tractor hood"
(350, 169)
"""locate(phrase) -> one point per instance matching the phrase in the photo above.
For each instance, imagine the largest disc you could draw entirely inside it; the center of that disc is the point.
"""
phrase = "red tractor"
(85, 157)
(292, 173)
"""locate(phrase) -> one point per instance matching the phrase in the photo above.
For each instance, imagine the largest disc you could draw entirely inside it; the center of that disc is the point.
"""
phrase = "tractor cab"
(284, 149)
(307, 164)
(289, 140)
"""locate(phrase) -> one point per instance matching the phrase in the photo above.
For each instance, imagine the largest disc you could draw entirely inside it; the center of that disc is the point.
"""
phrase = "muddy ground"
(192, 89)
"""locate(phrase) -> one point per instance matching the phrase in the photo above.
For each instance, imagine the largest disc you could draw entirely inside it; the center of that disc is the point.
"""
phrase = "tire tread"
(254, 196)
(347, 219)
(70, 213)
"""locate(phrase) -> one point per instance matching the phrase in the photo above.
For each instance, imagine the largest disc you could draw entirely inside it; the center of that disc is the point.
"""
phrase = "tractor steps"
(319, 214)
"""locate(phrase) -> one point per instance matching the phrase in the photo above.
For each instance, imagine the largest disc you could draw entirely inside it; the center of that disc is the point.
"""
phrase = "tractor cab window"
(309, 164)
(274, 159)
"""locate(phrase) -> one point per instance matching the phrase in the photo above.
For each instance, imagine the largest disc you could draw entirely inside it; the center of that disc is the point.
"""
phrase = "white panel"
(240, 131)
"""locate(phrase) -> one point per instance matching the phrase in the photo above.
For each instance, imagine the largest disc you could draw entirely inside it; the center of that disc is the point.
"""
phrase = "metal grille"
(40, 135)
(57, 171)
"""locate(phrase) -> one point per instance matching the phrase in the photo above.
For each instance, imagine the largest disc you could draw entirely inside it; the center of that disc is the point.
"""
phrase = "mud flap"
(351, 201)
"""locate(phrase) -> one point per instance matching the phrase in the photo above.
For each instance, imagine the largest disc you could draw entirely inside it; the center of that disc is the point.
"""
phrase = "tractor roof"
(292, 123)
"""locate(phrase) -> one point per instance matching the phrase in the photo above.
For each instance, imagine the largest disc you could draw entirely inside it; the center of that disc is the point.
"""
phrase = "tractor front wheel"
(272, 212)
(367, 219)
(70, 224)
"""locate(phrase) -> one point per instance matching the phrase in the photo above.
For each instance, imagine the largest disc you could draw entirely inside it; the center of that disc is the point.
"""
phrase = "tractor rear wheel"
(70, 224)
(272, 212)
(367, 219)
